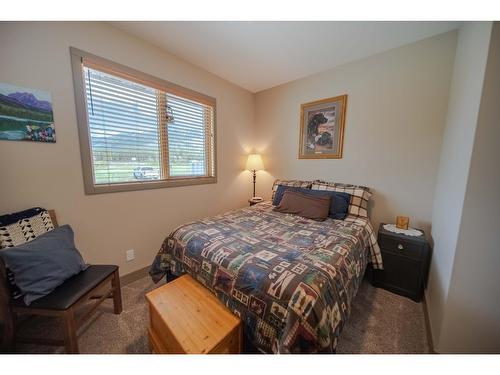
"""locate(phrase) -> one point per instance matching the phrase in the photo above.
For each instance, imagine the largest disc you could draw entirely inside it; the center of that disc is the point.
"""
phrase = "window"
(139, 132)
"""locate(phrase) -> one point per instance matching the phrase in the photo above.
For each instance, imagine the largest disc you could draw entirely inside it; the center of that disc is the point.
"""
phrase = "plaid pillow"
(294, 183)
(19, 228)
(360, 195)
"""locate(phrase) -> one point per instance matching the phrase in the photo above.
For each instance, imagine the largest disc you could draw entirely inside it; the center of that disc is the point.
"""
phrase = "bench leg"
(9, 329)
(70, 337)
(117, 293)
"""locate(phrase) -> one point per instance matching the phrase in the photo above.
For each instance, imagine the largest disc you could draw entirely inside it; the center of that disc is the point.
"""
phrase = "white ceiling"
(261, 55)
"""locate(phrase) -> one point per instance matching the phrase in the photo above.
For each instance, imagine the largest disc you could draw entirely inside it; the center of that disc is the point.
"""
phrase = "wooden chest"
(185, 317)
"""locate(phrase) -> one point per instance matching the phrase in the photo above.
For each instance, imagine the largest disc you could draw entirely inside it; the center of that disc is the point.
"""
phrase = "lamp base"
(256, 199)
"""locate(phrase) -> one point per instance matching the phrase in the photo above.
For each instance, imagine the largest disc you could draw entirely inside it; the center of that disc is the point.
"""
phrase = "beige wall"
(36, 55)
(463, 109)
(396, 113)
(471, 315)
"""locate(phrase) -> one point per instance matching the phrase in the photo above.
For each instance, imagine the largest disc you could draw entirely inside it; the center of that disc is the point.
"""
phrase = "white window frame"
(78, 57)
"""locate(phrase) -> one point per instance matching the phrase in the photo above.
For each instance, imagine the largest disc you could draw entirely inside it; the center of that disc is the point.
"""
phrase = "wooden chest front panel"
(155, 343)
(163, 338)
(231, 344)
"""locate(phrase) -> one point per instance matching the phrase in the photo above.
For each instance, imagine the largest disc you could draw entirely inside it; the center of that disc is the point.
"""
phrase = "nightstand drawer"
(406, 248)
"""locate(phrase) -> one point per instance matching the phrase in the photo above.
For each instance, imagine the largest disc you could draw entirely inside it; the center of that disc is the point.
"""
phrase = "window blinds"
(188, 137)
(133, 140)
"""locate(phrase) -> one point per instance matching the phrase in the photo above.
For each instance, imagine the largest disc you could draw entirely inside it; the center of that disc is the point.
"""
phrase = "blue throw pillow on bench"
(43, 264)
(339, 204)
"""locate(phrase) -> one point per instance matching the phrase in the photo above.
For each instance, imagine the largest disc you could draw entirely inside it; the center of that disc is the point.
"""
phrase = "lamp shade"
(254, 162)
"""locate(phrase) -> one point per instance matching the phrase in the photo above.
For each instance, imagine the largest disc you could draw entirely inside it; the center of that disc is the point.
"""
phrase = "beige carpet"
(380, 322)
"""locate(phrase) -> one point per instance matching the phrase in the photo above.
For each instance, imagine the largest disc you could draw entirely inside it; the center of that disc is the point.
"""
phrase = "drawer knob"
(400, 247)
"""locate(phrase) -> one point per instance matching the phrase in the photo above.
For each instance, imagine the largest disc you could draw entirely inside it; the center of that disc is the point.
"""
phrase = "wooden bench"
(97, 282)
(185, 317)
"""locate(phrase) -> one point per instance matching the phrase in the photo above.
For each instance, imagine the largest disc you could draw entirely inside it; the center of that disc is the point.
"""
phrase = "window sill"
(146, 185)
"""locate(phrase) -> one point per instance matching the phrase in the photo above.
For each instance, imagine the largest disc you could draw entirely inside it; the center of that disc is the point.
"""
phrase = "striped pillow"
(294, 183)
(360, 195)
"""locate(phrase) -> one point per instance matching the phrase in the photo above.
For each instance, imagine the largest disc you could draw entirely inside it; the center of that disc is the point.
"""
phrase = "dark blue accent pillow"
(339, 201)
(278, 195)
(339, 206)
(43, 264)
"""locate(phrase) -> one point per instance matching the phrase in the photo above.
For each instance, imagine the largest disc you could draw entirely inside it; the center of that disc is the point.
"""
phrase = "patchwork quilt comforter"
(291, 280)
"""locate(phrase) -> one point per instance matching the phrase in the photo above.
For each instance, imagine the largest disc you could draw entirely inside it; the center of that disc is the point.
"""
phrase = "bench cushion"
(66, 294)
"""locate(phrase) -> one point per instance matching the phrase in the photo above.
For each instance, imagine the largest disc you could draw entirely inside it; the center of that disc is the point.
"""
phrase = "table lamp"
(254, 164)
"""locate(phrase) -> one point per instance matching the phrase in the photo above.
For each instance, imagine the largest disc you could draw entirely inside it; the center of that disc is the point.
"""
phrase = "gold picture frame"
(322, 128)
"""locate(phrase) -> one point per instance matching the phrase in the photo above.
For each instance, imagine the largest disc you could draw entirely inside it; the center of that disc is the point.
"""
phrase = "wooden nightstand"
(406, 264)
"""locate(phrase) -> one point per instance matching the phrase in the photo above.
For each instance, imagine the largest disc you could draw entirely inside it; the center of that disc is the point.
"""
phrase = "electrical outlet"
(130, 255)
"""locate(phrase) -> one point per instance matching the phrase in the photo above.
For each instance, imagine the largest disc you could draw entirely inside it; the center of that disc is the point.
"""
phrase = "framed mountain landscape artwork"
(322, 128)
(26, 114)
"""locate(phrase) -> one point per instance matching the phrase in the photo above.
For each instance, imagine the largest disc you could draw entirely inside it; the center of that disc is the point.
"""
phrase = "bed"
(291, 280)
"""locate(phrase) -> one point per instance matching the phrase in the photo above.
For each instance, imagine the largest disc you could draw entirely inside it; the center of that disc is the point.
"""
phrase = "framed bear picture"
(322, 128)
